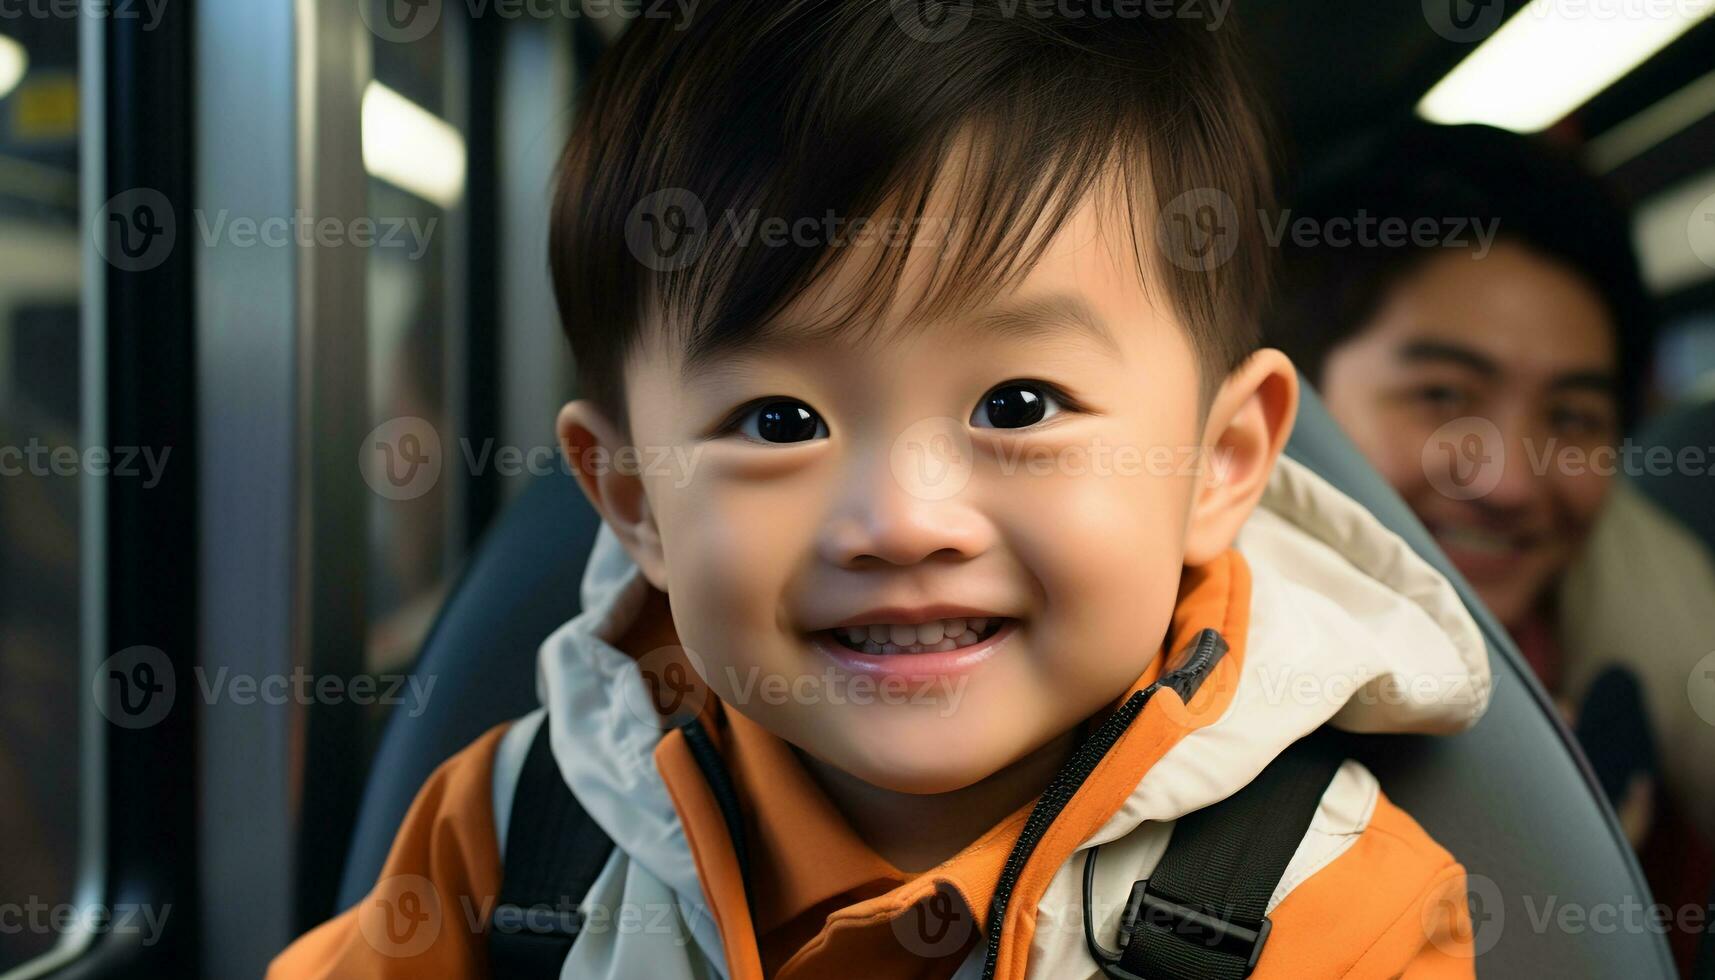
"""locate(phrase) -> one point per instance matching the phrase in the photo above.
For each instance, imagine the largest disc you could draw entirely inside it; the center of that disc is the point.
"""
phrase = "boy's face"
(1033, 474)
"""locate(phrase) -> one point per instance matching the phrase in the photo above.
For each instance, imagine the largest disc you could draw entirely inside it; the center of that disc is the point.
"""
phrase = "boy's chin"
(919, 768)
(928, 780)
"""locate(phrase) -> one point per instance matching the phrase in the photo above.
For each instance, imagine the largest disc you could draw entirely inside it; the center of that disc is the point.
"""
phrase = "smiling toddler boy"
(981, 556)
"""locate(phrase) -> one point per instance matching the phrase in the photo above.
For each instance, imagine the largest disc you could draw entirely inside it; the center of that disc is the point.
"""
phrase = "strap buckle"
(1242, 940)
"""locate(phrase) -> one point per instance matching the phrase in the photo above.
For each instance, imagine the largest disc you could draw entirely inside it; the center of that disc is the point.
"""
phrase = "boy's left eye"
(1015, 405)
(782, 420)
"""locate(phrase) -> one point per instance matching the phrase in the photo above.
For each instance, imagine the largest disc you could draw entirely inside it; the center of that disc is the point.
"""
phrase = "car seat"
(1513, 798)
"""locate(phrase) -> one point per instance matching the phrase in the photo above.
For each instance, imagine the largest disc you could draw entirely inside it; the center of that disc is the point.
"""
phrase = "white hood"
(1349, 627)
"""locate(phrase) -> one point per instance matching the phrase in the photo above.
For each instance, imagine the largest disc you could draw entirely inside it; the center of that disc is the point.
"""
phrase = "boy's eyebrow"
(1031, 318)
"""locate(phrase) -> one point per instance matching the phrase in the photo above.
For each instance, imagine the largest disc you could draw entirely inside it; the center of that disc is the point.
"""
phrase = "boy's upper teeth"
(908, 634)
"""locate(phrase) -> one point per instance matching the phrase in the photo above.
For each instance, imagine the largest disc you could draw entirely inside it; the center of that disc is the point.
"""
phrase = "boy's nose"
(882, 523)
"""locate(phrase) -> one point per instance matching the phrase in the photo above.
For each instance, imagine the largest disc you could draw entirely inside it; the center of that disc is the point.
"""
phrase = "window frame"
(139, 585)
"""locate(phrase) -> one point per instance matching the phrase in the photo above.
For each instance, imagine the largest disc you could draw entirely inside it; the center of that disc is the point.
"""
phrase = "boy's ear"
(1249, 421)
(592, 442)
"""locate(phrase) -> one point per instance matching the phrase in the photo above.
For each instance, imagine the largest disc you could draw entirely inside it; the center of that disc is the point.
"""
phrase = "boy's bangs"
(953, 226)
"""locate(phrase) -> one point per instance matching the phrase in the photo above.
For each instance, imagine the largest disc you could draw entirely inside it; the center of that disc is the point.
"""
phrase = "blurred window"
(416, 159)
(41, 695)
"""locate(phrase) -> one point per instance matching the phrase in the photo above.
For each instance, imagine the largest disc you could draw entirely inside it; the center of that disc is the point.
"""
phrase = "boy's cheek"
(1102, 539)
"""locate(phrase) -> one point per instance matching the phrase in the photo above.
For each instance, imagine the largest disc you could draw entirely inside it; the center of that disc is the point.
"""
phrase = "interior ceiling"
(1335, 69)
(1331, 74)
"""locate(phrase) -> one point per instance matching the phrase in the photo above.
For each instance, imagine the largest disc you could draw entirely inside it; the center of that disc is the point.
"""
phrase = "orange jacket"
(1367, 894)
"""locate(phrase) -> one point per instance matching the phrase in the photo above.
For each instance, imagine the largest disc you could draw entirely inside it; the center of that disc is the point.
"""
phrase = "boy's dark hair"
(799, 109)
(1538, 196)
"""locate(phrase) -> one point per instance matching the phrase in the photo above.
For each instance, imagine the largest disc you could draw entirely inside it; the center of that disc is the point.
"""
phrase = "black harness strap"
(554, 852)
(1201, 914)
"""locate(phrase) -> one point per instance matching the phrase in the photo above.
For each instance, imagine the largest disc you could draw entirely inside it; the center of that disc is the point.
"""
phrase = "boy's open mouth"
(934, 636)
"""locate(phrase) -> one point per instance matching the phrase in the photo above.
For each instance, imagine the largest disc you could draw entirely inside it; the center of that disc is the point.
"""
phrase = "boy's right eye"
(781, 420)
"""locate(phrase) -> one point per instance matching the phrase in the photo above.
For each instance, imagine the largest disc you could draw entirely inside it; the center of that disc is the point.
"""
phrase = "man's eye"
(1446, 397)
(783, 421)
(1015, 405)
(1580, 423)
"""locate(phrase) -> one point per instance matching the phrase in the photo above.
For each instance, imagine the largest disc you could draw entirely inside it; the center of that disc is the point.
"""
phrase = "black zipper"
(1198, 657)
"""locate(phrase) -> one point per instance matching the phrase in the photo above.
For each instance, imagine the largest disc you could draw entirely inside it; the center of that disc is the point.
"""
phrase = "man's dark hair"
(1537, 197)
(798, 109)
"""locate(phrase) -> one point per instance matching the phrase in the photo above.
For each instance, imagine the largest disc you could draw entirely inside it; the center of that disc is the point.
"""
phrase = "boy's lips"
(949, 655)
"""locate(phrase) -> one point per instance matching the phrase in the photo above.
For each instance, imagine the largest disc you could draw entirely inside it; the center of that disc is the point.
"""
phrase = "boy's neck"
(915, 832)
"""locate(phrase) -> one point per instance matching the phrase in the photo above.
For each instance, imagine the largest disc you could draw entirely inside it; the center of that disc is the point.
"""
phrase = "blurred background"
(240, 242)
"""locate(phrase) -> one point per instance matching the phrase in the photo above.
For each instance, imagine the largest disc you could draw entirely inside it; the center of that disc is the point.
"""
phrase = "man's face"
(1006, 492)
(1480, 390)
